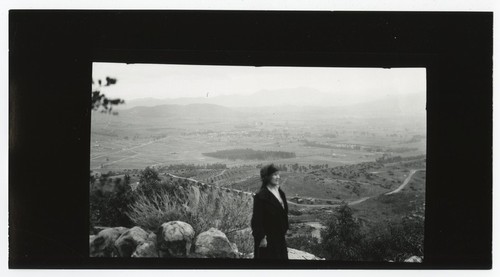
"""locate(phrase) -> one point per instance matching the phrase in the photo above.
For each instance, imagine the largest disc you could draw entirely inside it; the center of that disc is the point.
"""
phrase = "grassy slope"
(410, 201)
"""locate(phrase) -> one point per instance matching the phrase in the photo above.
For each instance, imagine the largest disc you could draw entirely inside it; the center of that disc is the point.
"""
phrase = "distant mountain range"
(290, 100)
(411, 104)
(189, 110)
(297, 96)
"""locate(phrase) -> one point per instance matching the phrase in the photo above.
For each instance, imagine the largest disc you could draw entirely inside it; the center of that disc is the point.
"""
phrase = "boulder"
(248, 256)
(294, 254)
(103, 244)
(97, 229)
(175, 239)
(127, 243)
(148, 249)
(214, 244)
(414, 259)
(152, 237)
(234, 248)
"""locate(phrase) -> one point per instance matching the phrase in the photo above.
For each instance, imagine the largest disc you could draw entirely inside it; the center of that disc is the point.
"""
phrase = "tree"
(92, 179)
(109, 208)
(126, 179)
(103, 180)
(149, 176)
(342, 239)
(100, 101)
(149, 181)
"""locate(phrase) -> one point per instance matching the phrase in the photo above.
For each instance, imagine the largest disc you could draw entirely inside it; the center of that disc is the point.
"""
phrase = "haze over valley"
(169, 133)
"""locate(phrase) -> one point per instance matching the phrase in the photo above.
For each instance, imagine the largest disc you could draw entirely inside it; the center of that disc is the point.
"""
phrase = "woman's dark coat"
(270, 219)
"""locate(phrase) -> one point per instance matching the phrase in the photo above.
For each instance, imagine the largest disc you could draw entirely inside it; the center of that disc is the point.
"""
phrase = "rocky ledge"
(173, 239)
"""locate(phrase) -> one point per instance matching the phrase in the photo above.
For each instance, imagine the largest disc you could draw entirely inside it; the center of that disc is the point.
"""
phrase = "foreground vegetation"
(155, 201)
(349, 234)
(346, 238)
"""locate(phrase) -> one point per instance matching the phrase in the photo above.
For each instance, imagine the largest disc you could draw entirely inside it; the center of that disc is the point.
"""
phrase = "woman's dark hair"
(265, 174)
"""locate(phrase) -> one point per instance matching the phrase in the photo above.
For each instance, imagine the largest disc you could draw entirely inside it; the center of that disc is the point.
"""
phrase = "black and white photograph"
(288, 139)
(242, 162)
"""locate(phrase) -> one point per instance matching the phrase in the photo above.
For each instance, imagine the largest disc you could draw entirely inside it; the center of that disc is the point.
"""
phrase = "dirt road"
(406, 181)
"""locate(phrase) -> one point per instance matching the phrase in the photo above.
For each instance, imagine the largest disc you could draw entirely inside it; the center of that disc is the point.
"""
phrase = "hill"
(343, 103)
(410, 201)
(412, 104)
(189, 111)
(294, 96)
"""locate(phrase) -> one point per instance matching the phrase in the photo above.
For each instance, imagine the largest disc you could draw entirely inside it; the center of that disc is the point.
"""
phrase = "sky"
(137, 81)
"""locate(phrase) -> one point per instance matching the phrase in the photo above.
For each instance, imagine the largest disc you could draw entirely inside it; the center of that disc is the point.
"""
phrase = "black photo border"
(50, 67)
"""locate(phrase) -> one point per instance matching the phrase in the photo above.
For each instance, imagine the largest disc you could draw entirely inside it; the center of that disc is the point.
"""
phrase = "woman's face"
(275, 178)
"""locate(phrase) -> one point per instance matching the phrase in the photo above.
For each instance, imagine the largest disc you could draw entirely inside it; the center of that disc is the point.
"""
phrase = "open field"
(118, 142)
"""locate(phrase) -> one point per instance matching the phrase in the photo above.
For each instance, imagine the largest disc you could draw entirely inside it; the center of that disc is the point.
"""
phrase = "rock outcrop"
(214, 244)
(127, 243)
(414, 259)
(175, 239)
(294, 254)
(147, 249)
(103, 244)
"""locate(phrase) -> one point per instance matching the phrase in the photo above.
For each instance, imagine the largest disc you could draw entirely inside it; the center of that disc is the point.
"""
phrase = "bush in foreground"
(345, 239)
(342, 239)
(306, 243)
(109, 208)
(226, 211)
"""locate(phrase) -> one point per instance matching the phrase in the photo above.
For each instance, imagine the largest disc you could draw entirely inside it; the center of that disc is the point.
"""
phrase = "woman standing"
(270, 217)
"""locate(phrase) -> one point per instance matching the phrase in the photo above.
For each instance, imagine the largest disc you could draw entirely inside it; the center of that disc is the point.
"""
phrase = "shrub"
(377, 243)
(408, 238)
(295, 212)
(395, 241)
(109, 208)
(227, 212)
(243, 240)
(150, 211)
(149, 182)
(149, 175)
(342, 237)
(306, 243)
